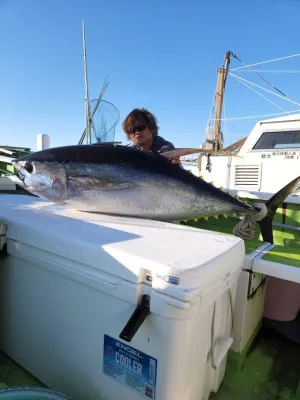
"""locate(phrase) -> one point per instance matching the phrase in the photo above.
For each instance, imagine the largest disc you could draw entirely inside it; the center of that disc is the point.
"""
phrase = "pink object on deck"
(282, 299)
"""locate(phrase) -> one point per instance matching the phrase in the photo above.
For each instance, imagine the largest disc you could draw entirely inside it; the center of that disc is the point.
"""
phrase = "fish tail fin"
(272, 204)
(264, 214)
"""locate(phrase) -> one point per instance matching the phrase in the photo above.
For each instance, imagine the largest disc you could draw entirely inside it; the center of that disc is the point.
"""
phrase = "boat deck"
(271, 371)
(12, 374)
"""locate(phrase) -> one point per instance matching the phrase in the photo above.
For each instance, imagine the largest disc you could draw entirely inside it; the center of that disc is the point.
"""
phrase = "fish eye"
(28, 167)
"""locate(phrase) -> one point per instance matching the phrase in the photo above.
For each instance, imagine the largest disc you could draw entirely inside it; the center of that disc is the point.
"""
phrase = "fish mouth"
(15, 178)
(21, 177)
(18, 178)
(16, 164)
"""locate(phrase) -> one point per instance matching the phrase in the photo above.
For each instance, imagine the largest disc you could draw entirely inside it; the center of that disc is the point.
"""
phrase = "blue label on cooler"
(130, 367)
(173, 280)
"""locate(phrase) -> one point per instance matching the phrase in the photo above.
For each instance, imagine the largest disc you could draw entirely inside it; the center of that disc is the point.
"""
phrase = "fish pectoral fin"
(96, 183)
(180, 152)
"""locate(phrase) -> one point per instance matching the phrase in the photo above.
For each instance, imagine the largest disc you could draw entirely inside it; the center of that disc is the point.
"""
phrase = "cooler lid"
(178, 257)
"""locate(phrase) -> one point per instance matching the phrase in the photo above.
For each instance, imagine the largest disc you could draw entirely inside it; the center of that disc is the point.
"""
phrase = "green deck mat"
(12, 374)
(252, 245)
(284, 255)
(281, 236)
(271, 372)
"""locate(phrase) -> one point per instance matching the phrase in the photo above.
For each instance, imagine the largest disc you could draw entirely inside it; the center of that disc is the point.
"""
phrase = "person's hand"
(176, 160)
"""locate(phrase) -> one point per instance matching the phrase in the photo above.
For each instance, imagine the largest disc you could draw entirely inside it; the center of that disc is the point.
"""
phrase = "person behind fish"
(141, 128)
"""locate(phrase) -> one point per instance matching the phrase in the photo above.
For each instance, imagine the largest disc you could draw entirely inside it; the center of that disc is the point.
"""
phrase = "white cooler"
(73, 281)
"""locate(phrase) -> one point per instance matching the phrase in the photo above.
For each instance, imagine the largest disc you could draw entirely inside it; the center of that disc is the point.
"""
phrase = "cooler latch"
(135, 321)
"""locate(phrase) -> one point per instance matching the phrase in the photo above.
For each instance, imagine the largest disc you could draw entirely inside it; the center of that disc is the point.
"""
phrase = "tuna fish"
(119, 180)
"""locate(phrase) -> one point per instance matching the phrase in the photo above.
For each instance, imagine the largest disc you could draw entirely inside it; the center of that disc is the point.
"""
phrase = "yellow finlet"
(216, 216)
(220, 188)
(237, 197)
(195, 219)
(211, 183)
(225, 216)
(234, 214)
(201, 176)
(206, 218)
(230, 193)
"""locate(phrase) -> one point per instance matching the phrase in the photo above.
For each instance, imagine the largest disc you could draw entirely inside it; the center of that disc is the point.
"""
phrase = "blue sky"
(161, 54)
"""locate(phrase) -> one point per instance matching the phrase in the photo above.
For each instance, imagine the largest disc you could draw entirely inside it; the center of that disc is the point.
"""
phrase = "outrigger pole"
(87, 100)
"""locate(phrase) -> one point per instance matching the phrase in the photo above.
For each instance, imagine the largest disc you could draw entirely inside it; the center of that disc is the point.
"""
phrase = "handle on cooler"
(135, 321)
(224, 344)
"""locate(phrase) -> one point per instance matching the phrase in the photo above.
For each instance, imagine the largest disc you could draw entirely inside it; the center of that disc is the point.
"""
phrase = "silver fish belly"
(123, 191)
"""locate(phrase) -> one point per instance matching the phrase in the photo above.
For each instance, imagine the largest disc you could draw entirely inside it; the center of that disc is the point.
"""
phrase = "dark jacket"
(159, 145)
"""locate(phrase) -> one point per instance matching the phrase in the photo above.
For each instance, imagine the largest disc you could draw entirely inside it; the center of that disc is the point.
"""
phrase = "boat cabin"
(267, 160)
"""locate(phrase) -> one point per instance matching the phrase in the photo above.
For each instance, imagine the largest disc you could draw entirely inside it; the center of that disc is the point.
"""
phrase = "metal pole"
(87, 102)
(106, 82)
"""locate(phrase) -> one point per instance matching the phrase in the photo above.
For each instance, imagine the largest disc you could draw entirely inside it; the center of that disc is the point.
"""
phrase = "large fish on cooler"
(119, 180)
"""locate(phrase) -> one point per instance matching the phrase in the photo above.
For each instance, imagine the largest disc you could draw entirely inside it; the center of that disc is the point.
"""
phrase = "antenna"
(87, 101)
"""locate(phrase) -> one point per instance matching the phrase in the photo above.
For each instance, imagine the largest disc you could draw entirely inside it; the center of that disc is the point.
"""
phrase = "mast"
(214, 140)
(222, 75)
(87, 101)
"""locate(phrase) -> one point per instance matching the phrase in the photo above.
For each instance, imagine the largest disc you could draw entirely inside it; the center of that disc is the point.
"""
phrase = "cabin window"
(278, 140)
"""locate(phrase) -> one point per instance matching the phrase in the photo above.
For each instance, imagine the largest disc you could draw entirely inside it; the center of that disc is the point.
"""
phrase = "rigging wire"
(255, 116)
(265, 62)
(269, 91)
(264, 97)
(225, 119)
(267, 82)
(288, 71)
(246, 68)
(211, 110)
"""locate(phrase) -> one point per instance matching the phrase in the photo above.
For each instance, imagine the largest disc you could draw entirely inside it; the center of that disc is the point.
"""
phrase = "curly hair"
(136, 115)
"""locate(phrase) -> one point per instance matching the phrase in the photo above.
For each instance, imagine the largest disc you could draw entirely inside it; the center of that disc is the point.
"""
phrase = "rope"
(265, 62)
(245, 229)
